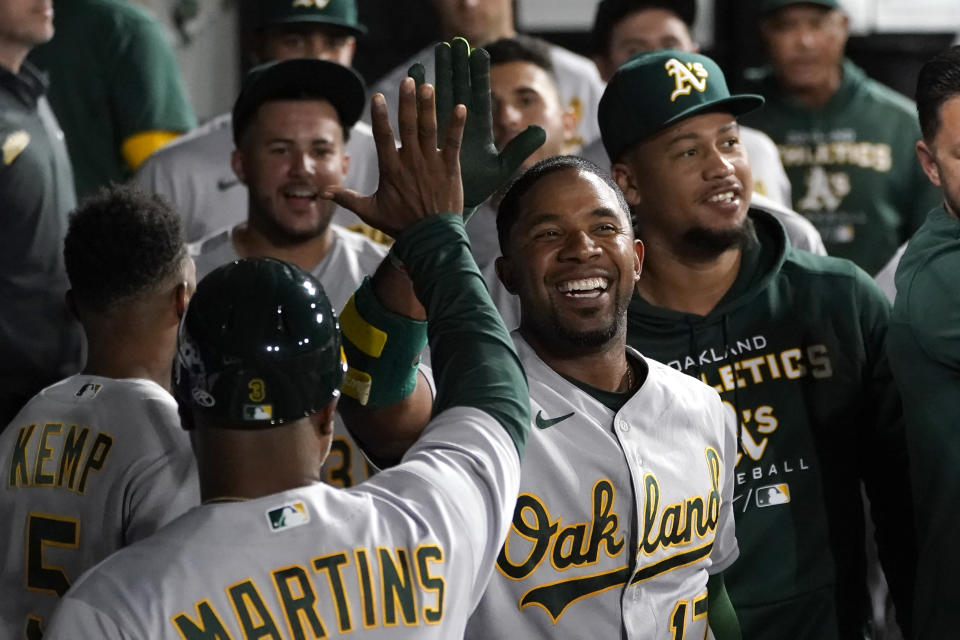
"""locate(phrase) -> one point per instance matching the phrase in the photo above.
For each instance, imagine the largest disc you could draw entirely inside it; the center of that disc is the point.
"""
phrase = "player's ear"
(505, 271)
(637, 260)
(236, 163)
(928, 162)
(623, 175)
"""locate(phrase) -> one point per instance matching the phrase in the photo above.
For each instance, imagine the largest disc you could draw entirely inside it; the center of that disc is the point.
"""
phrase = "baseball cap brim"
(736, 105)
(769, 6)
(354, 28)
(301, 78)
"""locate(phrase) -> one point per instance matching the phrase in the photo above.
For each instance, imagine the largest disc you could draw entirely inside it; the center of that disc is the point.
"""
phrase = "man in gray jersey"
(98, 461)
(624, 523)
(259, 370)
(290, 123)
(193, 172)
(624, 28)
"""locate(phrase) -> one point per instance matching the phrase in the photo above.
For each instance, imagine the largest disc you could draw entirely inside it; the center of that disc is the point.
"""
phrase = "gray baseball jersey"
(193, 172)
(578, 81)
(406, 553)
(92, 464)
(621, 517)
(885, 277)
(350, 258)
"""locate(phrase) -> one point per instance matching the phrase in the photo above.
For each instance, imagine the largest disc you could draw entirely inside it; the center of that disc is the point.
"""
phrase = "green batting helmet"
(258, 346)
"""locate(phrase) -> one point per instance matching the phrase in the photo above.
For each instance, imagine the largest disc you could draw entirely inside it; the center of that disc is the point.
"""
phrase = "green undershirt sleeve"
(722, 618)
(473, 358)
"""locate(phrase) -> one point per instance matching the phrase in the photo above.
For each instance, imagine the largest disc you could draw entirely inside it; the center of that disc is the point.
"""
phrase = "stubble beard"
(704, 244)
(266, 222)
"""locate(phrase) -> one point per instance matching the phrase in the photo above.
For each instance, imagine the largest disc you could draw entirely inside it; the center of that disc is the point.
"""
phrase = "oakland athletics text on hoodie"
(796, 349)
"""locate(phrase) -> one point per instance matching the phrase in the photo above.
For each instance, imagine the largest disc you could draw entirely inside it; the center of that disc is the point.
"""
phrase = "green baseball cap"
(769, 6)
(299, 79)
(656, 89)
(337, 13)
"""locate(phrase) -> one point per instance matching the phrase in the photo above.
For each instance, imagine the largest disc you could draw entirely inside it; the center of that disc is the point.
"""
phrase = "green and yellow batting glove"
(463, 77)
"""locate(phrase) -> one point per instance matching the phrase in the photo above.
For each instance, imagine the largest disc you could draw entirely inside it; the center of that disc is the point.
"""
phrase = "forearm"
(467, 336)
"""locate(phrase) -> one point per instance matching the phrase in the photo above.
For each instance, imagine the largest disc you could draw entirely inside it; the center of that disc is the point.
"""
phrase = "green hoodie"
(851, 163)
(796, 349)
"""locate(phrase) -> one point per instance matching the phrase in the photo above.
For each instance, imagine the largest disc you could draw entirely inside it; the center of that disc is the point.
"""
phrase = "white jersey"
(350, 258)
(193, 173)
(656, 476)
(406, 553)
(578, 82)
(93, 464)
(885, 278)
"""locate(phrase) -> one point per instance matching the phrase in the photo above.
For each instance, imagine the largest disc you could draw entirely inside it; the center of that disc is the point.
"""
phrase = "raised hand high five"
(463, 77)
(418, 179)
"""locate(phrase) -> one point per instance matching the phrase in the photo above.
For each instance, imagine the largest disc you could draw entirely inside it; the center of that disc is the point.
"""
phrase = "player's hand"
(418, 179)
(463, 77)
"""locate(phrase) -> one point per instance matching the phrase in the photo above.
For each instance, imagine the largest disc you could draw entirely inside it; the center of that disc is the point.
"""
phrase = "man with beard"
(290, 123)
(586, 554)
(923, 351)
(793, 342)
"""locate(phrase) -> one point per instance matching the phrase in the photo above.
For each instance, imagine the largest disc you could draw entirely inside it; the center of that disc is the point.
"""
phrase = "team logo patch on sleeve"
(13, 145)
(287, 516)
(773, 494)
(89, 390)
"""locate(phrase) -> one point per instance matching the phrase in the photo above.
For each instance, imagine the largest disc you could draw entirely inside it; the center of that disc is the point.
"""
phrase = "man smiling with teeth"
(718, 274)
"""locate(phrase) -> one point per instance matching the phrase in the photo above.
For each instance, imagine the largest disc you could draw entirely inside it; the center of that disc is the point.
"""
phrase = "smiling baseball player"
(258, 373)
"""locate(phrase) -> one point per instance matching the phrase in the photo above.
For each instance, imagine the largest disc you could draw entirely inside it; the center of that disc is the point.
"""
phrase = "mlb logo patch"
(257, 412)
(89, 390)
(773, 494)
(288, 516)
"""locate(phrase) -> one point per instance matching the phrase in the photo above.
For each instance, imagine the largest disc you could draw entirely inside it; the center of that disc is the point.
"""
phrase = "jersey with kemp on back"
(851, 164)
(351, 257)
(621, 516)
(91, 464)
(796, 349)
(405, 554)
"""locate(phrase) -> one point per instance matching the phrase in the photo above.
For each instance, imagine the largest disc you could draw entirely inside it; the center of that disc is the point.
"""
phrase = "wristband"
(382, 349)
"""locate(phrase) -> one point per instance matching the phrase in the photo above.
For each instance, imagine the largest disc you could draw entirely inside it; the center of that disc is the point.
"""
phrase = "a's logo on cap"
(687, 76)
(287, 516)
(319, 4)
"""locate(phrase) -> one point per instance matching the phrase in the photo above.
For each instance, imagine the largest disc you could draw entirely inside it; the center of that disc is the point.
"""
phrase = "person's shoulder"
(216, 135)
(570, 64)
(117, 14)
(675, 381)
(885, 96)
(358, 243)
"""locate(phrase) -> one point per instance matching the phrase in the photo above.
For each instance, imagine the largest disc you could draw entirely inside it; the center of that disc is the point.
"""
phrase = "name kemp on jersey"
(49, 455)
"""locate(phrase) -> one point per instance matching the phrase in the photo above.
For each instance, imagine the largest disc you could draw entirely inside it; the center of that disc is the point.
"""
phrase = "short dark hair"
(938, 81)
(611, 12)
(121, 242)
(509, 209)
(521, 48)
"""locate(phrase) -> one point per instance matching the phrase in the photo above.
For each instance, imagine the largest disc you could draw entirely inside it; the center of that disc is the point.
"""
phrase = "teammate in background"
(98, 461)
(194, 172)
(793, 342)
(624, 28)
(483, 21)
(289, 125)
(115, 86)
(413, 546)
(40, 342)
(846, 140)
(586, 556)
(923, 349)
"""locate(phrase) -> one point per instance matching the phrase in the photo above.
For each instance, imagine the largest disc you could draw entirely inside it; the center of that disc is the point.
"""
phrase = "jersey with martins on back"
(349, 259)
(622, 516)
(93, 464)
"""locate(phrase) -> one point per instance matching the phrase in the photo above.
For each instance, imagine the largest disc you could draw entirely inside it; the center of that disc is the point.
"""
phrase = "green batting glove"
(463, 77)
